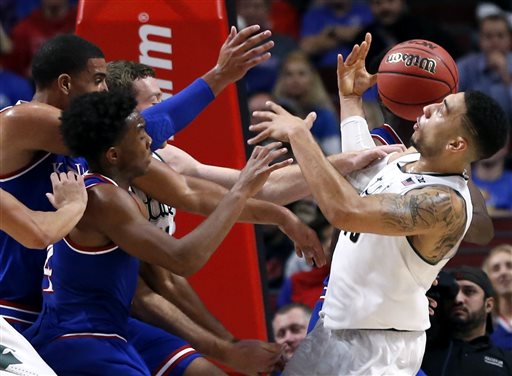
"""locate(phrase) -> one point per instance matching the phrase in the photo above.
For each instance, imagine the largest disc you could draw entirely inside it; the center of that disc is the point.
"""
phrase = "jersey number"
(353, 236)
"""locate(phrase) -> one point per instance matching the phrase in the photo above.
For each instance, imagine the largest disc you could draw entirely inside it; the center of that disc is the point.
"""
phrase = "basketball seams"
(417, 76)
(454, 79)
(435, 100)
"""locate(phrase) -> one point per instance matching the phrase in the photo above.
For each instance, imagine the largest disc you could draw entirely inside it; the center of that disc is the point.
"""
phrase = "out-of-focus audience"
(498, 266)
(300, 86)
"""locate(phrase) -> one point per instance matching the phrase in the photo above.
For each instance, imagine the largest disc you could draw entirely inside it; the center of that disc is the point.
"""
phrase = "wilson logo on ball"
(424, 63)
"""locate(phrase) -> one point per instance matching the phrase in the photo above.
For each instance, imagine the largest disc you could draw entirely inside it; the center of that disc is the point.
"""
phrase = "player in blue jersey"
(76, 67)
(92, 273)
(36, 229)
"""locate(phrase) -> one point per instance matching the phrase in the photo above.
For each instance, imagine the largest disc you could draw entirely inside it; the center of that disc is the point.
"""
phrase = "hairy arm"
(178, 292)
(36, 229)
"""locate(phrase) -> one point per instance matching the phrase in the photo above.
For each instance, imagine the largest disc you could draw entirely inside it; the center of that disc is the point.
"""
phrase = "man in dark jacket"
(466, 349)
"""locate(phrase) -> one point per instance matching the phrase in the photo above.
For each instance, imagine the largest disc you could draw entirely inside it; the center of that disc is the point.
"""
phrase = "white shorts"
(357, 352)
(17, 356)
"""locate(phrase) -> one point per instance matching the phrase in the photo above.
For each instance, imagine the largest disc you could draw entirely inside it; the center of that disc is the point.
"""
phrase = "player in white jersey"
(396, 234)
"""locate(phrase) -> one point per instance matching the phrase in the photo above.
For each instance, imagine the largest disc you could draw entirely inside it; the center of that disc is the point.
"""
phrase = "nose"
(427, 110)
(149, 140)
(103, 86)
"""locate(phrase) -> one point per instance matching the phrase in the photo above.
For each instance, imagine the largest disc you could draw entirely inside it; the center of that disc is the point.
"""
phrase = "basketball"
(414, 74)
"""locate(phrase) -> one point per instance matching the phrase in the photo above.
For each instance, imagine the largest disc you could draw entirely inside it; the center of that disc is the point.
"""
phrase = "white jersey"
(161, 215)
(378, 281)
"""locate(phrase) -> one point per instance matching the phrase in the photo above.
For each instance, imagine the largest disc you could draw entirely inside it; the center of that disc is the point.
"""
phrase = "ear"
(489, 304)
(112, 155)
(64, 83)
(457, 145)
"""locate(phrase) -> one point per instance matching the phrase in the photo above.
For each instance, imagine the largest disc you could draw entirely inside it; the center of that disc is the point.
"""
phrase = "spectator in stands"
(393, 23)
(329, 29)
(12, 86)
(498, 266)
(300, 85)
(466, 348)
(289, 326)
(495, 183)
(490, 69)
(52, 18)
(263, 76)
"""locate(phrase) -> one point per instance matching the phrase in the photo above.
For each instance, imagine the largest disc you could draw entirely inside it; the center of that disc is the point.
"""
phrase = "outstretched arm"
(434, 215)
(248, 356)
(201, 196)
(240, 52)
(283, 186)
(176, 290)
(35, 229)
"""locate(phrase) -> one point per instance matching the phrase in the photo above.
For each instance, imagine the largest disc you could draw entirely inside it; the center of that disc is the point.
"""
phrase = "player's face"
(439, 123)
(297, 78)
(494, 37)
(500, 272)
(468, 308)
(134, 151)
(290, 329)
(91, 79)
(147, 92)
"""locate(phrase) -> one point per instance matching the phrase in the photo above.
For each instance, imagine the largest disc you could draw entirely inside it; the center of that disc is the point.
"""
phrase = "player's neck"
(506, 306)
(112, 173)
(48, 97)
(436, 165)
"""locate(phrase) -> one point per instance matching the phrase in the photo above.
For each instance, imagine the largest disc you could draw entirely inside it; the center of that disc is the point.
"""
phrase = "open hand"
(277, 123)
(259, 167)
(68, 189)
(353, 78)
(240, 52)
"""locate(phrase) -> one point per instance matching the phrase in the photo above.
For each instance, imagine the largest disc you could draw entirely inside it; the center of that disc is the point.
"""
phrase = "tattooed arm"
(433, 217)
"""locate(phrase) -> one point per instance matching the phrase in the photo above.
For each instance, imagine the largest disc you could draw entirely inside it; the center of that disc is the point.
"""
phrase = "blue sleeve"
(167, 118)
(285, 293)
(326, 124)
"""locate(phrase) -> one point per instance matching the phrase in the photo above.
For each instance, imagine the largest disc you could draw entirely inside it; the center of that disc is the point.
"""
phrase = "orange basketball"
(414, 74)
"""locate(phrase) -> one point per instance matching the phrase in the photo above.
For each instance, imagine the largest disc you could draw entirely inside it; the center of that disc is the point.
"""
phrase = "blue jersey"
(89, 288)
(87, 292)
(21, 269)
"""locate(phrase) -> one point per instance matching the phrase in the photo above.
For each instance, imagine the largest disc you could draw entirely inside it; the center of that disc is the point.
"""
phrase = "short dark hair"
(65, 53)
(288, 307)
(486, 122)
(96, 121)
(122, 73)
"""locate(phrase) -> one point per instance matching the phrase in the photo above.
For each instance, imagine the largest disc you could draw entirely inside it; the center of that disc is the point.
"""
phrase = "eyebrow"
(446, 106)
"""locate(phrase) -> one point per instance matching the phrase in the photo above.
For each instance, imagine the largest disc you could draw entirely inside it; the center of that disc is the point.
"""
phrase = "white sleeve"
(355, 134)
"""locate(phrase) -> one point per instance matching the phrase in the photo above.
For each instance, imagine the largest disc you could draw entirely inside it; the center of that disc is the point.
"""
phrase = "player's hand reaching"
(253, 357)
(353, 78)
(305, 240)
(68, 189)
(259, 167)
(241, 51)
(278, 123)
